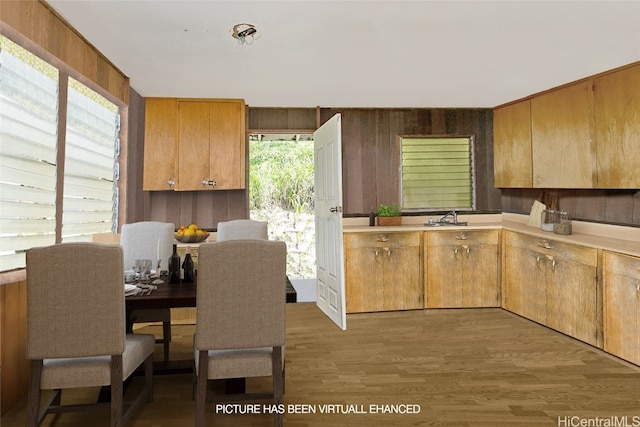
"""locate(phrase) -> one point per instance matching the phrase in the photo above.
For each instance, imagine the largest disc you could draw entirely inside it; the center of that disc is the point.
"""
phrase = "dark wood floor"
(472, 367)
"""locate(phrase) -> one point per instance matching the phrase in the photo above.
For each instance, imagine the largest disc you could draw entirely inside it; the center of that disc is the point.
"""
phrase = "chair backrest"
(75, 301)
(143, 240)
(242, 229)
(241, 294)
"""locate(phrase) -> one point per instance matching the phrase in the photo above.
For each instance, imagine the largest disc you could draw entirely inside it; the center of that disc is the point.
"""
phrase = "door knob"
(335, 209)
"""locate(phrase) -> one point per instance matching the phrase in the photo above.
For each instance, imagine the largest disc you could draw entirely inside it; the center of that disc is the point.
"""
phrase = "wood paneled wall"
(33, 25)
(14, 367)
(369, 165)
(370, 137)
(609, 206)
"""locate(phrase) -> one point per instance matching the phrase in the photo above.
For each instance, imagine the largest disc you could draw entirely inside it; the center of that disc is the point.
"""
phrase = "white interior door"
(328, 198)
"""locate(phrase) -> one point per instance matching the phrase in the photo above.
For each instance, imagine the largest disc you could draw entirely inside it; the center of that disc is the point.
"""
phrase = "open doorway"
(281, 192)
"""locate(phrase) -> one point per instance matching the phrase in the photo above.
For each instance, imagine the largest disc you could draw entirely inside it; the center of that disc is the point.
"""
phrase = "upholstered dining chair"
(242, 229)
(240, 329)
(76, 329)
(147, 240)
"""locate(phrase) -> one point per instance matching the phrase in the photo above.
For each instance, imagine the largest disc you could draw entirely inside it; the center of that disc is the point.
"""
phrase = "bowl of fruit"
(191, 234)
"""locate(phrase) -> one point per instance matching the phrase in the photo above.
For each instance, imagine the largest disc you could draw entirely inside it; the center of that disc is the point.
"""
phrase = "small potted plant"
(389, 215)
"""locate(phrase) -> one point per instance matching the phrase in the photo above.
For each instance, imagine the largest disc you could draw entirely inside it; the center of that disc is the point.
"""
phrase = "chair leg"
(148, 377)
(166, 338)
(33, 400)
(116, 391)
(277, 372)
(201, 387)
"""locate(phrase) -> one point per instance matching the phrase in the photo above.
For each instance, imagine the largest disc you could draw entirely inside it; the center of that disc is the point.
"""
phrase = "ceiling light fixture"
(245, 33)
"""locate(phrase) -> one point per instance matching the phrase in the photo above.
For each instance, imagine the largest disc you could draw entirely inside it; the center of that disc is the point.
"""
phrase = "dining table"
(181, 295)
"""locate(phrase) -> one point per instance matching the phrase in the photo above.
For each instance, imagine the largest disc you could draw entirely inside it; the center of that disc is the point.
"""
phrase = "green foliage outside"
(281, 184)
(281, 174)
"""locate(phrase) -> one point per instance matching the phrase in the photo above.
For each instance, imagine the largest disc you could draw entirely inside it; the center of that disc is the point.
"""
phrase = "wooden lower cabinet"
(383, 271)
(621, 306)
(552, 283)
(462, 268)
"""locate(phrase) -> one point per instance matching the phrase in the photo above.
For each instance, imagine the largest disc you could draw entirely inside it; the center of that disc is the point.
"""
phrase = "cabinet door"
(383, 271)
(572, 291)
(616, 99)
(481, 281)
(524, 281)
(227, 161)
(561, 138)
(512, 146)
(462, 269)
(193, 147)
(160, 139)
(621, 308)
(402, 284)
(211, 153)
(525, 290)
(363, 278)
(444, 276)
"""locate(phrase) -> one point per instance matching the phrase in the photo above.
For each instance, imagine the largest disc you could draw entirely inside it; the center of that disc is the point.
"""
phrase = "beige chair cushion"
(95, 371)
(254, 362)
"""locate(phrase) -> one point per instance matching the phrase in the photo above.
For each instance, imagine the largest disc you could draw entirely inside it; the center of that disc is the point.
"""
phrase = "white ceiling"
(358, 53)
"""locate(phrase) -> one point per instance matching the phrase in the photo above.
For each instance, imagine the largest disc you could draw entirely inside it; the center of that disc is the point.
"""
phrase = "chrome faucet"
(453, 214)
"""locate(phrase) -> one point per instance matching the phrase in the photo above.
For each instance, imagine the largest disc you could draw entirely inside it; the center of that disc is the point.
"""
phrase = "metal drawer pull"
(462, 236)
(209, 182)
(545, 244)
(553, 262)
(383, 238)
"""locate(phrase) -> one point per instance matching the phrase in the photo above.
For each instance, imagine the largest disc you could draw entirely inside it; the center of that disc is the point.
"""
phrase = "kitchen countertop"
(625, 240)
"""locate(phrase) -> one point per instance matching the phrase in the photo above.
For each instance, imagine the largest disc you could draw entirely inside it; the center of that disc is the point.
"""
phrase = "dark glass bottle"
(174, 266)
(189, 268)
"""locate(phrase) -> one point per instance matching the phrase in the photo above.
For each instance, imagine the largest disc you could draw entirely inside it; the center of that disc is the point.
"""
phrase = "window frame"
(473, 183)
(64, 73)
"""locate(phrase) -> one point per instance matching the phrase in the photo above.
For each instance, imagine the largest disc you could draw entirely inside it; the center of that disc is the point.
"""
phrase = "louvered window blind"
(28, 158)
(90, 166)
(437, 173)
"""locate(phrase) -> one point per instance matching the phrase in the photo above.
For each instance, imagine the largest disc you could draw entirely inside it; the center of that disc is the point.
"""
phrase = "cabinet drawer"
(623, 265)
(460, 237)
(389, 240)
(553, 248)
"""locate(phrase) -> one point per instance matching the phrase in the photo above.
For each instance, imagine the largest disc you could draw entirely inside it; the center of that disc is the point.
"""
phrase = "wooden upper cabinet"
(160, 142)
(582, 135)
(211, 149)
(617, 128)
(194, 144)
(561, 138)
(512, 145)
